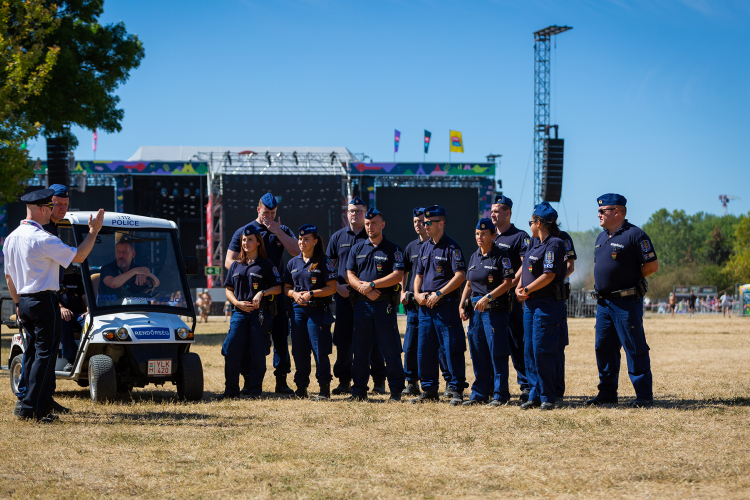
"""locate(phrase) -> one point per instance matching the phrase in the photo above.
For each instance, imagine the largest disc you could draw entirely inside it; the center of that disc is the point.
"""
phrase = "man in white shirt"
(32, 268)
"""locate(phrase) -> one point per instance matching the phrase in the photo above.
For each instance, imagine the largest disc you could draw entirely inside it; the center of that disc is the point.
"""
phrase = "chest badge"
(314, 279)
(439, 269)
(379, 267)
(490, 278)
(614, 255)
(255, 286)
(531, 268)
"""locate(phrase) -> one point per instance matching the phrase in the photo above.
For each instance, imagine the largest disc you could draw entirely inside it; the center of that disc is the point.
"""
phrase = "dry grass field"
(695, 443)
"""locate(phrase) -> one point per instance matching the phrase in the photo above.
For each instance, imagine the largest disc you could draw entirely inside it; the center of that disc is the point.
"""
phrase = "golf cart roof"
(124, 221)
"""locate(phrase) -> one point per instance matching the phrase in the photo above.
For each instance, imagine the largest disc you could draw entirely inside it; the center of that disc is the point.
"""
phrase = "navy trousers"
(441, 327)
(245, 350)
(374, 324)
(516, 341)
(489, 349)
(311, 332)
(68, 345)
(342, 339)
(411, 347)
(282, 364)
(542, 324)
(619, 323)
(40, 315)
(564, 341)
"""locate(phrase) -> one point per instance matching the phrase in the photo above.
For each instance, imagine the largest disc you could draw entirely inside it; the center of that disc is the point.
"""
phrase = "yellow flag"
(457, 142)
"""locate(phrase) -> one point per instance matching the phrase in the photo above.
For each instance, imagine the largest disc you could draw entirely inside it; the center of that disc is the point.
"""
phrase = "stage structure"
(548, 152)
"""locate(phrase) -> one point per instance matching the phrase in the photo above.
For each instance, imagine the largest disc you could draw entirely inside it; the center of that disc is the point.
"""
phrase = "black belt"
(613, 295)
(499, 304)
(37, 294)
(549, 291)
(381, 298)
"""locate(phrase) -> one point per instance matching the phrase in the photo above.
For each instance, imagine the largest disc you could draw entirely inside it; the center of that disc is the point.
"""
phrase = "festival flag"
(93, 144)
(427, 136)
(457, 142)
(396, 141)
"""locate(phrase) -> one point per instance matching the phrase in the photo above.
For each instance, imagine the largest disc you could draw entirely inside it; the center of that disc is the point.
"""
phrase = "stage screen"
(308, 199)
(461, 204)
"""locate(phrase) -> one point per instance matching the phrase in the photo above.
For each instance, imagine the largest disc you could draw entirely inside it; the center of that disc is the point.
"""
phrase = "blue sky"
(652, 96)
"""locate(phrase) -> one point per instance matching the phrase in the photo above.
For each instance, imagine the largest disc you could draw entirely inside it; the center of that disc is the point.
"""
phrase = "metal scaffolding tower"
(542, 101)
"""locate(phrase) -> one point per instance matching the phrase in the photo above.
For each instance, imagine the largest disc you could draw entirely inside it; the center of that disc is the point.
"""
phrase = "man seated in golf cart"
(122, 278)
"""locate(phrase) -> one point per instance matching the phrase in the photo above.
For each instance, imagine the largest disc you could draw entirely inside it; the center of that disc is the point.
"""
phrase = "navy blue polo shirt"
(369, 262)
(341, 243)
(439, 262)
(411, 254)
(305, 276)
(74, 293)
(570, 249)
(547, 256)
(272, 243)
(248, 279)
(514, 241)
(618, 260)
(487, 272)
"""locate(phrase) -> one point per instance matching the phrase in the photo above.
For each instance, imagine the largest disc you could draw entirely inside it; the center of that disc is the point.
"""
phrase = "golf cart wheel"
(190, 377)
(15, 369)
(102, 379)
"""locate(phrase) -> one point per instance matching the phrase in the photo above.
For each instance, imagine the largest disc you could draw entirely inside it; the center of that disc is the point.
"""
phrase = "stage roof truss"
(276, 163)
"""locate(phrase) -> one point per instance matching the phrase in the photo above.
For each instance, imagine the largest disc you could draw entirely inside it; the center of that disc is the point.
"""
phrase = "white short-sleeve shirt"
(33, 256)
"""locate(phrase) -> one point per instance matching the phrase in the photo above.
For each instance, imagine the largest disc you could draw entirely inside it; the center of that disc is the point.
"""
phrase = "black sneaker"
(450, 392)
(301, 392)
(18, 409)
(425, 397)
(282, 387)
(497, 402)
(457, 399)
(530, 404)
(357, 398)
(601, 401)
(379, 387)
(524, 395)
(345, 387)
(412, 389)
(641, 403)
(55, 407)
(473, 402)
(547, 406)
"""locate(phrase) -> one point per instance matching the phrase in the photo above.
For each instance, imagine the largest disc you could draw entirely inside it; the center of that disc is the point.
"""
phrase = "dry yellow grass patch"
(694, 444)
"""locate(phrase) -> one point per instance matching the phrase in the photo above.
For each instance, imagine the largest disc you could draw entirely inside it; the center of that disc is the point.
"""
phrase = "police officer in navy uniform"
(310, 282)
(276, 238)
(485, 303)
(32, 269)
(514, 241)
(341, 243)
(542, 290)
(252, 282)
(411, 336)
(623, 258)
(440, 270)
(375, 268)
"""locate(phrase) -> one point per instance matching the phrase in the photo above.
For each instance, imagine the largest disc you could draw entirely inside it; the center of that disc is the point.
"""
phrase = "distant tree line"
(699, 249)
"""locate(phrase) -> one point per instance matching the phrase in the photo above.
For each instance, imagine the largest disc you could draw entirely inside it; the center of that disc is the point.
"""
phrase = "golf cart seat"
(95, 283)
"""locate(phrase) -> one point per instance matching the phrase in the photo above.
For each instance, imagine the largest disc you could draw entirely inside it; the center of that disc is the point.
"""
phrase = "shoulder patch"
(329, 265)
(526, 241)
(506, 263)
(549, 257)
(645, 246)
(276, 272)
(398, 256)
(457, 254)
(567, 245)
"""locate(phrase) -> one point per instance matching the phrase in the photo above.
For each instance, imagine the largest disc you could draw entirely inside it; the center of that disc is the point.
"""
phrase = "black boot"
(344, 387)
(412, 389)
(301, 392)
(379, 387)
(281, 387)
(325, 393)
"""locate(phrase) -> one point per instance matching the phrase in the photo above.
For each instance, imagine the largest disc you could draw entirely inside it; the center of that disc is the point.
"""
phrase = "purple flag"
(396, 141)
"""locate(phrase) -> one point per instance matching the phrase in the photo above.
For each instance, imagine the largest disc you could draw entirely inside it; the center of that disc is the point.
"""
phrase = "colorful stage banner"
(427, 136)
(465, 169)
(457, 142)
(132, 167)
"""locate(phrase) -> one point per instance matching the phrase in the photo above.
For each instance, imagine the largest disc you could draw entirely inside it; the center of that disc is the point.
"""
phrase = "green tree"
(94, 60)
(738, 265)
(26, 60)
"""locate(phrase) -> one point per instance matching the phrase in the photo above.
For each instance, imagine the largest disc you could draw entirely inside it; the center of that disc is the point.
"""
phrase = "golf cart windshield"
(137, 268)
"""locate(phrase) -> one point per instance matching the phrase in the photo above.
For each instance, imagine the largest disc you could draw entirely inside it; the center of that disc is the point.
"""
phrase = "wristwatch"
(526, 290)
(488, 296)
(438, 293)
(372, 284)
(312, 293)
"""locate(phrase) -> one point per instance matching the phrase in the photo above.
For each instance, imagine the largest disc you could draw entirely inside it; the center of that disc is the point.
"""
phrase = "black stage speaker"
(57, 161)
(461, 204)
(553, 169)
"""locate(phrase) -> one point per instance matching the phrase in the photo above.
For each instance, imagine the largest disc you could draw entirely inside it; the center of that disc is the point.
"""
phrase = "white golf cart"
(133, 334)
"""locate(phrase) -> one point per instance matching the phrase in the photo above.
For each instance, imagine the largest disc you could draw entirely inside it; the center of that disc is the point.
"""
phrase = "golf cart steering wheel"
(145, 290)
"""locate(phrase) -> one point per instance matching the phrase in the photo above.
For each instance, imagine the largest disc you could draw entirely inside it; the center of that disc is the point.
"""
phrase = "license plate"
(160, 367)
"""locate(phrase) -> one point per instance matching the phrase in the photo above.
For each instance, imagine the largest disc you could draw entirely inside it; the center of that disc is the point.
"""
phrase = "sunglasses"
(531, 222)
(48, 205)
(356, 212)
(603, 211)
(428, 223)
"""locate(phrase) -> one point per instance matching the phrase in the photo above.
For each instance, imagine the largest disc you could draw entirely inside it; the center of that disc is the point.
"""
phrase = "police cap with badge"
(608, 199)
(307, 229)
(418, 212)
(503, 200)
(434, 211)
(269, 201)
(485, 223)
(60, 190)
(357, 201)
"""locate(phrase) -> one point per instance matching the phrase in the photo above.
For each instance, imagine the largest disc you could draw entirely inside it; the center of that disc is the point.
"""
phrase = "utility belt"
(639, 290)
(502, 303)
(390, 294)
(315, 302)
(454, 295)
(555, 290)
(268, 303)
(411, 302)
(38, 294)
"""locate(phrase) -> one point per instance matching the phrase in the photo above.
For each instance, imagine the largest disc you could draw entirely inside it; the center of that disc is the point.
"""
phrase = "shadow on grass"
(159, 416)
(671, 403)
(210, 339)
